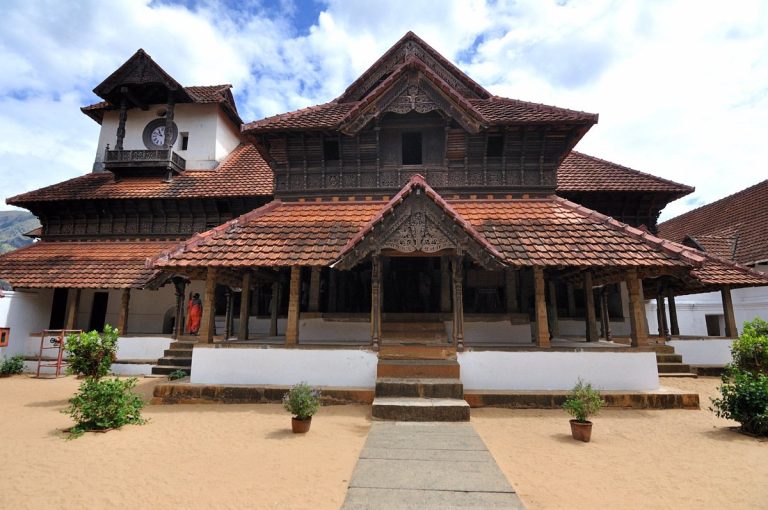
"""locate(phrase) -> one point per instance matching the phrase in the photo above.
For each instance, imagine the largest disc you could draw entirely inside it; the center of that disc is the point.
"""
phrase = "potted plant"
(583, 402)
(302, 401)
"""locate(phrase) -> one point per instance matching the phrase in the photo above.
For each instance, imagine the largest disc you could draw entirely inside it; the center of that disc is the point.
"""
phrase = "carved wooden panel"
(416, 231)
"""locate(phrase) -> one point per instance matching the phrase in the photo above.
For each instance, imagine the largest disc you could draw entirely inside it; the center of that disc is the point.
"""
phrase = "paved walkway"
(425, 466)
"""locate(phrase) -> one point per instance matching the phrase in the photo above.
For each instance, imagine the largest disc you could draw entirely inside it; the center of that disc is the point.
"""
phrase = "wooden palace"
(417, 208)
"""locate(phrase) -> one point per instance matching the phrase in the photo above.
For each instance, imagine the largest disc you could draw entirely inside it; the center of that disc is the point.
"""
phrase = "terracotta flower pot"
(581, 430)
(300, 426)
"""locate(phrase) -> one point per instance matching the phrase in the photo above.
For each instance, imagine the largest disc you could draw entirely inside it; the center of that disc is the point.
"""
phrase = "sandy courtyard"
(244, 456)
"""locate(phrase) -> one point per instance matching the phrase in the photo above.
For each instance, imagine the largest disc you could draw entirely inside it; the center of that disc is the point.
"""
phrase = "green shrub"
(177, 374)
(750, 350)
(91, 354)
(302, 401)
(583, 402)
(14, 365)
(744, 399)
(102, 404)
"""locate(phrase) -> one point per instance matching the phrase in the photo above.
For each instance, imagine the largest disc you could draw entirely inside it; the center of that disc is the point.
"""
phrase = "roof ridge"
(198, 238)
(666, 246)
(646, 174)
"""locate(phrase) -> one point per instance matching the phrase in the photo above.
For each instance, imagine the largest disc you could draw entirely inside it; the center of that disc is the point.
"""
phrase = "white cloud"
(680, 86)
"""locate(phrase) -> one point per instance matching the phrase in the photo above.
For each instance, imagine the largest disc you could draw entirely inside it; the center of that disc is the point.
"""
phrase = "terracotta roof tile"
(243, 173)
(502, 110)
(97, 264)
(323, 116)
(580, 172)
(743, 214)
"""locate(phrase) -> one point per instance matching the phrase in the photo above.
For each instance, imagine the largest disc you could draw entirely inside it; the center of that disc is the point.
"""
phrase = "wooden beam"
(730, 318)
(208, 320)
(294, 292)
(245, 306)
(274, 306)
(376, 292)
(638, 332)
(458, 302)
(122, 320)
(73, 304)
(674, 327)
(542, 329)
(314, 290)
(589, 308)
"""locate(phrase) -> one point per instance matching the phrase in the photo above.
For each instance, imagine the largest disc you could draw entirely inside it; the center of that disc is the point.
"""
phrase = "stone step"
(398, 350)
(167, 369)
(420, 409)
(175, 361)
(184, 353)
(669, 358)
(674, 368)
(663, 349)
(413, 326)
(419, 388)
(412, 369)
(415, 336)
(679, 374)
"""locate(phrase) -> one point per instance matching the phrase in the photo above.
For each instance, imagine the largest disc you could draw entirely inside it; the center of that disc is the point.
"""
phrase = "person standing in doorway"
(195, 313)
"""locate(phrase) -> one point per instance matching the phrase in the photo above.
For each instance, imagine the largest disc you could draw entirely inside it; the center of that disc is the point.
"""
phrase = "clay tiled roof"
(545, 232)
(501, 110)
(99, 265)
(323, 116)
(243, 173)
(737, 223)
(579, 172)
(202, 94)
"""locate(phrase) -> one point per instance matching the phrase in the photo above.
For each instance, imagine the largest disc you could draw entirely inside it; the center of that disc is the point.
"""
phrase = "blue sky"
(681, 86)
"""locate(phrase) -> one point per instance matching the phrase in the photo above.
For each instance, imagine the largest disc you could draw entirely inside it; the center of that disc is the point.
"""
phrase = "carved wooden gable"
(417, 226)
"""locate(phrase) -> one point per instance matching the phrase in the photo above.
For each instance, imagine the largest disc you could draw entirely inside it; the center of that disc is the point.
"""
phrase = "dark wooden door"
(58, 308)
(98, 311)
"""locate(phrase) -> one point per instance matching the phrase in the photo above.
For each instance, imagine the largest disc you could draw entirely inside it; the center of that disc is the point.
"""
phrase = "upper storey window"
(331, 150)
(412, 149)
(495, 146)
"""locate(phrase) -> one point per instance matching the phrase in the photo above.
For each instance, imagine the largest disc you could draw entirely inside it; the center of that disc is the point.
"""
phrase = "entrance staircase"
(178, 356)
(419, 381)
(671, 364)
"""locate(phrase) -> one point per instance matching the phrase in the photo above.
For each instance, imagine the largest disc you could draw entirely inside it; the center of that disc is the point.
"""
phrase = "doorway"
(98, 311)
(411, 285)
(58, 308)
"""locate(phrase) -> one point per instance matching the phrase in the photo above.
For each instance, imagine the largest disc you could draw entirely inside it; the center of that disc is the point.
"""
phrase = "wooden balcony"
(143, 161)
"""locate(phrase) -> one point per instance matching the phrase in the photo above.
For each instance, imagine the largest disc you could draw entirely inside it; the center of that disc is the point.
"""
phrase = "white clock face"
(158, 135)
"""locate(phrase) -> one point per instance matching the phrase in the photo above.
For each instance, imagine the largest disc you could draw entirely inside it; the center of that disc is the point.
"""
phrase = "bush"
(102, 404)
(583, 402)
(302, 401)
(744, 392)
(14, 365)
(177, 374)
(91, 354)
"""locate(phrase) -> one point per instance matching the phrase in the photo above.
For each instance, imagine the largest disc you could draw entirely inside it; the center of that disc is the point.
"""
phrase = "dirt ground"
(245, 456)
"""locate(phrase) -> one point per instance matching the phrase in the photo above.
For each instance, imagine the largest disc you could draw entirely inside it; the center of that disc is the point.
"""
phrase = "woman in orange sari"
(194, 313)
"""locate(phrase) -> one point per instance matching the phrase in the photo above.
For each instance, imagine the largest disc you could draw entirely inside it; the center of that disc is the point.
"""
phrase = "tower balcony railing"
(143, 159)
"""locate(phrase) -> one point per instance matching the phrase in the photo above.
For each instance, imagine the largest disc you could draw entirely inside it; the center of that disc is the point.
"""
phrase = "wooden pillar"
(332, 277)
(525, 294)
(180, 286)
(458, 302)
(605, 317)
(730, 318)
(122, 119)
(445, 285)
(571, 301)
(376, 291)
(208, 320)
(245, 306)
(673, 325)
(73, 305)
(274, 306)
(229, 312)
(292, 328)
(510, 284)
(314, 290)
(542, 328)
(638, 331)
(589, 308)
(169, 121)
(553, 323)
(122, 319)
(662, 309)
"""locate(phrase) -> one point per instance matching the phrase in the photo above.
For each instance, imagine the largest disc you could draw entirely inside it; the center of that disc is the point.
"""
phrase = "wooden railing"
(126, 159)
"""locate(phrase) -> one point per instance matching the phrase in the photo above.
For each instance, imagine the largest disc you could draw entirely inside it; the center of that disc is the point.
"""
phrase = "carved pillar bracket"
(730, 318)
(292, 326)
(542, 328)
(376, 294)
(639, 330)
(245, 307)
(122, 320)
(589, 305)
(458, 302)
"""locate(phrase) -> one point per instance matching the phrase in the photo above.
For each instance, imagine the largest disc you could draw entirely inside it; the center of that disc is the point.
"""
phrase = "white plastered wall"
(25, 312)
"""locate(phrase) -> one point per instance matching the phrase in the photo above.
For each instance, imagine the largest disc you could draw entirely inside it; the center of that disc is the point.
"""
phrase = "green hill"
(13, 224)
